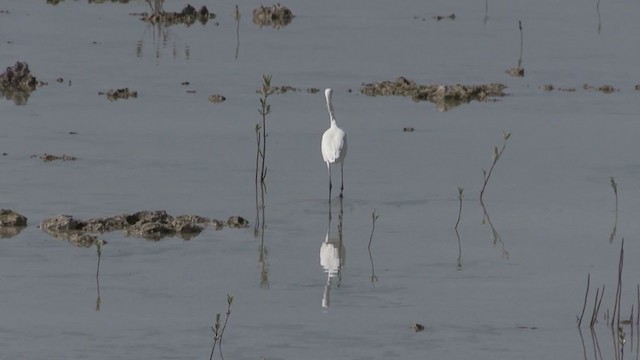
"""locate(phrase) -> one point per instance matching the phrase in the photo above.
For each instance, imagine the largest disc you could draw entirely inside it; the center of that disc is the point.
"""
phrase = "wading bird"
(334, 144)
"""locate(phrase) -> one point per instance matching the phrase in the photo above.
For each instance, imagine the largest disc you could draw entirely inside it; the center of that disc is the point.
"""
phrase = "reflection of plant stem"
(218, 329)
(99, 251)
(596, 307)
(263, 263)
(616, 304)
(614, 186)
(374, 217)
(340, 218)
(460, 198)
(584, 305)
(598, 11)
(496, 156)
(486, 11)
(236, 16)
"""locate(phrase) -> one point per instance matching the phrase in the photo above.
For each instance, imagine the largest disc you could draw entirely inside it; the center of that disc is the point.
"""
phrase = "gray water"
(549, 198)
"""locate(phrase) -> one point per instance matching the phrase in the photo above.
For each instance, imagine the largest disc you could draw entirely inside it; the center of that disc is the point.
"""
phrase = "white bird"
(334, 144)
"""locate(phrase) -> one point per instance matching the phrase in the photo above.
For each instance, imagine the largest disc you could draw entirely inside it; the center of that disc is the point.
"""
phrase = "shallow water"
(549, 197)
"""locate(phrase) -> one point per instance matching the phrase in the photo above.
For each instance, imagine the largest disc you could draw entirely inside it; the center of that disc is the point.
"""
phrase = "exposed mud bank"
(152, 225)
(444, 96)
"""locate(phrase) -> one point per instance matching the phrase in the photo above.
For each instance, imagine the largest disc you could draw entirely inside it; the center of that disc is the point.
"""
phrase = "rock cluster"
(276, 16)
(445, 96)
(153, 225)
(17, 83)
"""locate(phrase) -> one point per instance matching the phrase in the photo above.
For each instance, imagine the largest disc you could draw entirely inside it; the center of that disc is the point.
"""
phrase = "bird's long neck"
(332, 118)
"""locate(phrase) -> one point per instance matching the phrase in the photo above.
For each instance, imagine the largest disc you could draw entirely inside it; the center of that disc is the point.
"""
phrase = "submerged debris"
(187, 16)
(237, 222)
(216, 98)
(550, 87)
(607, 89)
(444, 96)
(441, 17)
(516, 71)
(276, 16)
(123, 93)
(50, 157)
(417, 327)
(288, 88)
(153, 225)
(17, 83)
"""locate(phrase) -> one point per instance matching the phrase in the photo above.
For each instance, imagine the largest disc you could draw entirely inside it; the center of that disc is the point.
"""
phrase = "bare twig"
(496, 156)
(218, 329)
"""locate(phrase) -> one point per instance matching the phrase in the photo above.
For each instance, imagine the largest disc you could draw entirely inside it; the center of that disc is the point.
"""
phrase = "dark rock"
(10, 218)
(123, 93)
(217, 224)
(216, 98)
(62, 223)
(516, 71)
(237, 222)
(17, 83)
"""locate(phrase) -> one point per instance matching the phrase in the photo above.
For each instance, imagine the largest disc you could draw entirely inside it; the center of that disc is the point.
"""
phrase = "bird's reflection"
(332, 255)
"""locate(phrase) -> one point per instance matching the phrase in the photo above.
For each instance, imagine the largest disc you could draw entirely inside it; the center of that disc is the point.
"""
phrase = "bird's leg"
(341, 179)
(330, 186)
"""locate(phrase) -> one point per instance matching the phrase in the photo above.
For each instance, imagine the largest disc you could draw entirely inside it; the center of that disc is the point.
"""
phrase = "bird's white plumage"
(334, 143)
(334, 139)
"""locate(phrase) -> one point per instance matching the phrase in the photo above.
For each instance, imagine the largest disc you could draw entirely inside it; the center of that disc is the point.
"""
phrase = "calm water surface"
(549, 198)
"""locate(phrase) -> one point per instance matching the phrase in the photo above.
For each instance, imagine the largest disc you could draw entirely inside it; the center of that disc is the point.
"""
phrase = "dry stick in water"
(586, 294)
(374, 217)
(496, 156)
(218, 329)
(460, 198)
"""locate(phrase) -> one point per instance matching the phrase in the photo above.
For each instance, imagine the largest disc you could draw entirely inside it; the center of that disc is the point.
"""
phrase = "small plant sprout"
(460, 198)
(614, 186)
(374, 217)
(218, 329)
(497, 154)
(261, 155)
